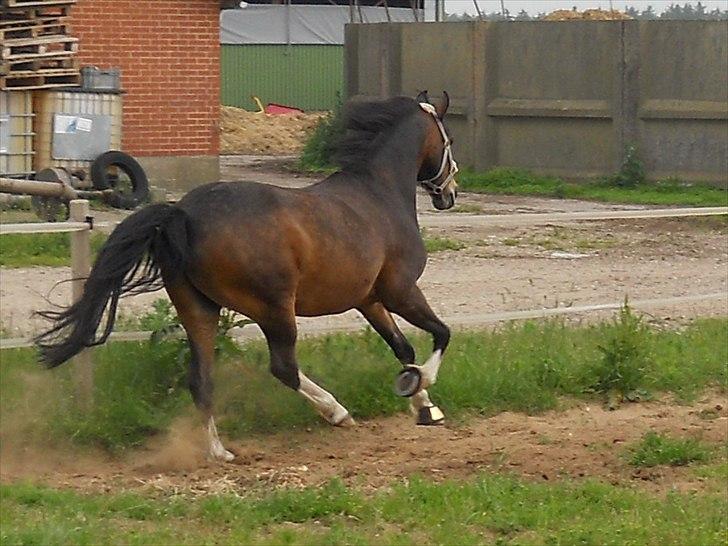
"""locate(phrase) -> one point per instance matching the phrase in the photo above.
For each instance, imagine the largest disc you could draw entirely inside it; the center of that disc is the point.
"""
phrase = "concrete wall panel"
(562, 97)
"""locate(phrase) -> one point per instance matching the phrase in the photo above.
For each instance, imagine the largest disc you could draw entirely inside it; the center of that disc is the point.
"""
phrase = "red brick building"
(169, 55)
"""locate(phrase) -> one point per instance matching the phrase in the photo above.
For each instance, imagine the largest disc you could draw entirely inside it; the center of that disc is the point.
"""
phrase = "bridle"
(447, 158)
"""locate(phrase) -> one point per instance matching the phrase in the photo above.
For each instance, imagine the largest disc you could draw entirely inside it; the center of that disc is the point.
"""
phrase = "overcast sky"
(535, 6)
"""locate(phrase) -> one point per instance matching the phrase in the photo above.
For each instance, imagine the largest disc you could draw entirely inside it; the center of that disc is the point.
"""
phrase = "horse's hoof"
(408, 382)
(431, 416)
(346, 422)
(223, 455)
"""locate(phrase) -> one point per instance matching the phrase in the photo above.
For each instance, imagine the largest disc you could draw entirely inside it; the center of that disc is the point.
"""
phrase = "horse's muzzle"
(444, 201)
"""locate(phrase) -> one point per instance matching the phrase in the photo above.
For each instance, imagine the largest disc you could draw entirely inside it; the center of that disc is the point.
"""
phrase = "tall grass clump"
(625, 356)
(631, 173)
(318, 151)
(659, 449)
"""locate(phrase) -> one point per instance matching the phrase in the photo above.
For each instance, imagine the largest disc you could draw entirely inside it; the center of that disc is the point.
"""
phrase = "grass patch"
(487, 510)
(467, 208)
(41, 249)
(439, 244)
(519, 182)
(658, 449)
(141, 387)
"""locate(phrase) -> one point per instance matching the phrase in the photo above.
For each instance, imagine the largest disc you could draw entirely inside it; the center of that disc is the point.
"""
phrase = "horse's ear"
(442, 105)
(422, 97)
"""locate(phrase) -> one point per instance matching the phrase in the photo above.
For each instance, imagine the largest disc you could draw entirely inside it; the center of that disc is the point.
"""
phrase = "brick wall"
(169, 55)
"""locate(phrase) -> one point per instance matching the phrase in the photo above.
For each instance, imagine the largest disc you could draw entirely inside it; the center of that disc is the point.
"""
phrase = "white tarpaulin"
(280, 24)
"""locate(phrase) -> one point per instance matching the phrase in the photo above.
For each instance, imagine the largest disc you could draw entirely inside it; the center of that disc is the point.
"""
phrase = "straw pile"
(244, 132)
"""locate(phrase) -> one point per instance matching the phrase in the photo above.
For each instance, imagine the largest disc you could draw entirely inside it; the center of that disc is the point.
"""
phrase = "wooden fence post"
(80, 268)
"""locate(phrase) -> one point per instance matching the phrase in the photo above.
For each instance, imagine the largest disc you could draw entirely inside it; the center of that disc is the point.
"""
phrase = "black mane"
(364, 123)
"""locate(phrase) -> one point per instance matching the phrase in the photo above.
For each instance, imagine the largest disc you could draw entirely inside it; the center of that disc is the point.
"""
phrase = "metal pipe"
(288, 25)
(35, 187)
(477, 8)
(413, 4)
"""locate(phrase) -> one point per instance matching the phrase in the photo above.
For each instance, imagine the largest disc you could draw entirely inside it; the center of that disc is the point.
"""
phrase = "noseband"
(430, 184)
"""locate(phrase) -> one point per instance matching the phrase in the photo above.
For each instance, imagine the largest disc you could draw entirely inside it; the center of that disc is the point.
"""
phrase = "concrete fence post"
(80, 268)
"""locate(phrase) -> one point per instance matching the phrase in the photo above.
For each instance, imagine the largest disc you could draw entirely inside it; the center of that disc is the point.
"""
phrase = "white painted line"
(464, 321)
(525, 219)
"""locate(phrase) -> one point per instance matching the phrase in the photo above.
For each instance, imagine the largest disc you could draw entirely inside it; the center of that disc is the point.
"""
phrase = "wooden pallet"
(25, 20)
(51, 10)
(43, 79)
(33, 48)
(48, 27)
(50, 63)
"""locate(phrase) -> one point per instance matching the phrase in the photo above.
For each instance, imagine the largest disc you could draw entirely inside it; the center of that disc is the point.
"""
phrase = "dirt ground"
(580, 442)
(500, 268)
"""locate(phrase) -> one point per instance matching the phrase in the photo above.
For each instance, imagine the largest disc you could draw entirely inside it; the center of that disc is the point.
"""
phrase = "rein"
(447, 158)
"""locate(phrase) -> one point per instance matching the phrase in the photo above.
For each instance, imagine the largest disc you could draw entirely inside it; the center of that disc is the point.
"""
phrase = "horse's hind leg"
(381, 320)
(199, 316)
(280, 332)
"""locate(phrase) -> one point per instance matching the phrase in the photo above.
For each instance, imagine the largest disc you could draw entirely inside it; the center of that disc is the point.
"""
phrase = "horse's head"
(438, 166)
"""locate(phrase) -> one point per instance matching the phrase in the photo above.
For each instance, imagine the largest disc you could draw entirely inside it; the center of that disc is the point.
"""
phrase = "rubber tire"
(129, 166)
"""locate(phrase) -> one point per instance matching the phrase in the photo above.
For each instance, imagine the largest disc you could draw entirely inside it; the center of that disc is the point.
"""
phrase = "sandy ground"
(579, 442)
(500, 268)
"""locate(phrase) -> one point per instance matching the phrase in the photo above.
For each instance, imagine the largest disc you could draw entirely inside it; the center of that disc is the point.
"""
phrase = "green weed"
(438, 244)
(318, 151)
(42, 249)
(632, 173)
(467, 208)
(626, 356)
(658, 449)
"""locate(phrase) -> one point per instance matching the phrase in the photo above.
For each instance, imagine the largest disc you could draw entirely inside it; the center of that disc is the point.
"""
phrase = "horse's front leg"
(381, 320)
(279, 328)
(413, 307)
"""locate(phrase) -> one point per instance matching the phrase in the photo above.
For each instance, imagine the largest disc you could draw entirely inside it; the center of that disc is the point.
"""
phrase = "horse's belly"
(336, 290)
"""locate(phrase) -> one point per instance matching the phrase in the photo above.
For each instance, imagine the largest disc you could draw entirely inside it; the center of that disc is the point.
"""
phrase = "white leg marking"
(324, 402)
(422, 400)
(430, 368)
(216, 449)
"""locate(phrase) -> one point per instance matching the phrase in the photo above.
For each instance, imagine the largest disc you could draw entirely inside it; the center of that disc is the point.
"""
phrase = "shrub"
(625, 361)
(318, 152)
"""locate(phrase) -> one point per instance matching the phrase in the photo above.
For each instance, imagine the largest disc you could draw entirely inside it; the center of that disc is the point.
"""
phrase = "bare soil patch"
(580, 442)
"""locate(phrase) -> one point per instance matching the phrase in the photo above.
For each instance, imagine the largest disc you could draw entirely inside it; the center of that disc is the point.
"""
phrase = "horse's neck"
(396, 165)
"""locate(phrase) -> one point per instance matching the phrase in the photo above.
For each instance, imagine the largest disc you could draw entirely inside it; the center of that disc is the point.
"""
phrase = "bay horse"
(351, 241)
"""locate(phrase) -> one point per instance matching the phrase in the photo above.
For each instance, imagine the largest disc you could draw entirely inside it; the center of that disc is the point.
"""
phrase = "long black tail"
(128, 263)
